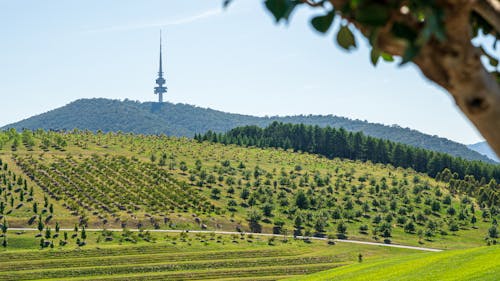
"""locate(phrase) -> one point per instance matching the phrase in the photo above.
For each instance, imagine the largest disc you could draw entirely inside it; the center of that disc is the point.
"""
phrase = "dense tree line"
(487, 193)
(186, 120)
(331, 142)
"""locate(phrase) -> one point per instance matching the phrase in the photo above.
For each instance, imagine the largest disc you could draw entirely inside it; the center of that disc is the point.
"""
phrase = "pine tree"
(5, 227)
(83, 234)
(40, 224)
(301, 200)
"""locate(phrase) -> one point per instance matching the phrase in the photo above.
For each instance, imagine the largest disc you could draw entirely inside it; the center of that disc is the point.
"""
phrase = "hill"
(111, 201)
(186, 120)
(142, 181)
(471, 264)
(485, 149)
(477, 178)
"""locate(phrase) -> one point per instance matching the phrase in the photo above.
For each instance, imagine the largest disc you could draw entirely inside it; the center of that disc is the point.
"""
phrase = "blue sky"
(235, 60)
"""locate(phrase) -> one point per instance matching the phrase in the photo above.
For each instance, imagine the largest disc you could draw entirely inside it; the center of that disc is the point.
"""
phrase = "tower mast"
(160, 81)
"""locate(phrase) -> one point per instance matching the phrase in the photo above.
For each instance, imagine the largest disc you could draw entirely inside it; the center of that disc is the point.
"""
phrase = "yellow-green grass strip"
(219, 273)
(482, 263)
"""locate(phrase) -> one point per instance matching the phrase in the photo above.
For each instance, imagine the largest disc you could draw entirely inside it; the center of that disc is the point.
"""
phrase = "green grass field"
(482, 263)
(185, 257)
(54, 180)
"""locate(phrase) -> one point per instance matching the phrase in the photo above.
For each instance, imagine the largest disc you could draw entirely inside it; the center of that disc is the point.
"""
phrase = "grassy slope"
(120, 259)
(197, 256)
(471, 264)
(276, 163)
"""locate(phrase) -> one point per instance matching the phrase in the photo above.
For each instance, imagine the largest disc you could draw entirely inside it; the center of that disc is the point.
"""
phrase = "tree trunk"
(456, 66)
(482, 107)
(476, 92)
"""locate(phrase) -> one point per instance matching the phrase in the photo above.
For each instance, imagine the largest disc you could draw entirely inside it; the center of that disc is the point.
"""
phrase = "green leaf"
(345, 38)
(374, 56)
(373, 15)
(410, 53)
(373, 36)
(497, 75)
(277, 8)
(281, 9)
(434, 26)
(323, 23)
(493, 61)
(386, 57)
(292, 6)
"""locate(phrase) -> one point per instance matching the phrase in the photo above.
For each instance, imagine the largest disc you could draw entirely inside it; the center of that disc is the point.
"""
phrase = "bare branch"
(490, 11)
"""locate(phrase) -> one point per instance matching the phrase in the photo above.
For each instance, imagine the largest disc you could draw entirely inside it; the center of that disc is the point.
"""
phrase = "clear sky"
(236, 60)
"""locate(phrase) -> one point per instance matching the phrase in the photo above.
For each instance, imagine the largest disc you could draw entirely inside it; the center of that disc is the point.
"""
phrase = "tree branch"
(312, 3)
(490, 11)
(453, 63)
(456, 66)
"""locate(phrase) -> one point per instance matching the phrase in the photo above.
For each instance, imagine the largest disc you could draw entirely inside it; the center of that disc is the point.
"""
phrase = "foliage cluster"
(479, 177)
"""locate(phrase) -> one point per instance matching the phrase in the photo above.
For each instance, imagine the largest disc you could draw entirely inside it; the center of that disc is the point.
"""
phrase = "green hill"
(186, 120)
(476, 178)
(121, 180)
(62, 186)
(472, 264)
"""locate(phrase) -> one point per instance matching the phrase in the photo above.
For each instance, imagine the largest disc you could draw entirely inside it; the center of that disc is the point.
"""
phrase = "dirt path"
(255, 234)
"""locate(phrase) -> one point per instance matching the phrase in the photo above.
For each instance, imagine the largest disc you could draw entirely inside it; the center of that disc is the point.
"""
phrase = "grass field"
(185, 257)
(482, 263)
(51, 181)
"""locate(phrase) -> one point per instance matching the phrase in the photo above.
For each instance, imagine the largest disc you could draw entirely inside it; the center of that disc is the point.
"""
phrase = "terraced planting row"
(106, 258)
(108, 185)
(21, 203)
(167, 262)
(267, 263)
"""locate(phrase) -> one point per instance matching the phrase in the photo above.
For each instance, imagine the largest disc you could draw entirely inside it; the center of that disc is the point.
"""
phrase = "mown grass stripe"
(252, 278)
(157, 267)
(217, 274)
(124, 251)
(139, 259)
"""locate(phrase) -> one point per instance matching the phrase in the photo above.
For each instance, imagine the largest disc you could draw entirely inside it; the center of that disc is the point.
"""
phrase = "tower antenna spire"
(160, 71)
(160, 81)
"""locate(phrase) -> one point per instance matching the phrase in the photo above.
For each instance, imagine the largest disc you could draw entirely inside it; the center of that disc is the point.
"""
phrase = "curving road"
(255, 234)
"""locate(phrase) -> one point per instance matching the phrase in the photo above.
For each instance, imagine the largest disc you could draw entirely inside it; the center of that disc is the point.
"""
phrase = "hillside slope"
(136, 181)
(474, 264)
(186, 120)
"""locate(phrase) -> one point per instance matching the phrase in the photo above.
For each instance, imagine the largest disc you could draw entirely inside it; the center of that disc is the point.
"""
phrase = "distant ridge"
(186, 120)
(484, 149)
